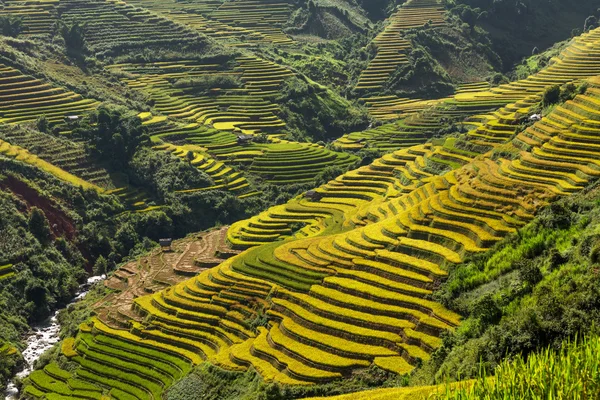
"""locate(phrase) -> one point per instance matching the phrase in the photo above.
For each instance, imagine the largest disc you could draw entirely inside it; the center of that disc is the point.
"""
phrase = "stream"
(43, 337)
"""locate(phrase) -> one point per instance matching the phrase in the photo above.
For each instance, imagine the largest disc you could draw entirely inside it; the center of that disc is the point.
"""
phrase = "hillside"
(361, 195)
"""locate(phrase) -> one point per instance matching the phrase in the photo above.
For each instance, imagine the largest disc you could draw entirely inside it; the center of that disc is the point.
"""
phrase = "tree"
(113, 136)
(39, 226)
(530, 273)
(469, 15)
(591, 22)
(10, 26)
(551, 95)
(486, 309)
(74, 37)
(190, 156)
(101, 266)
(42, 124)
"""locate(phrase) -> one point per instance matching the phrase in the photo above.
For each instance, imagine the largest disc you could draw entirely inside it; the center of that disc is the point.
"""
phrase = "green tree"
(101, 266)
(113, 136)
(42, 124)
(74, 37)
(39, 226)
(551, 95)
(190, 156)
(10, 26)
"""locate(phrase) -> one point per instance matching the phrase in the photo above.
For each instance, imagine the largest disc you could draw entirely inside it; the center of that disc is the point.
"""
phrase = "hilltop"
(361, 195)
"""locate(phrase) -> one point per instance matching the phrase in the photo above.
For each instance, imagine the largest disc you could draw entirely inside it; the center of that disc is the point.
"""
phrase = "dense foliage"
(314, 111)
(535, 289)
(516, 28)
(571, 371)
(10, 26)
(163, 174)
(112, 136)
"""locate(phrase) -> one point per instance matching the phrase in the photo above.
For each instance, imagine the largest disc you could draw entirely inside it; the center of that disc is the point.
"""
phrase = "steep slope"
(328, 287)
(391, 48)
(576, 61)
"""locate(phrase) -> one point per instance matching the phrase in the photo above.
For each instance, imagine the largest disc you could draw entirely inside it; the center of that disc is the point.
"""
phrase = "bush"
(551, 96)
(11, 26)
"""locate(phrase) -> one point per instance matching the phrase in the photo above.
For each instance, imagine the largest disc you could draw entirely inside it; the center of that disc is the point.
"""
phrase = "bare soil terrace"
(159, 270)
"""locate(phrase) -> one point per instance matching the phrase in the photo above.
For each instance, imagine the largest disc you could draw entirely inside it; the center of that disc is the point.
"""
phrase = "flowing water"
(43, 337)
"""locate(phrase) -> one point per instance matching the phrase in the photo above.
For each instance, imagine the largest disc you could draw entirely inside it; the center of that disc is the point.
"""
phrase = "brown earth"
(61, 224)
(159, 270)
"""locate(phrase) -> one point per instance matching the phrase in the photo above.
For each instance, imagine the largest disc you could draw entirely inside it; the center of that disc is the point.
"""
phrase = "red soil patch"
(61, 224)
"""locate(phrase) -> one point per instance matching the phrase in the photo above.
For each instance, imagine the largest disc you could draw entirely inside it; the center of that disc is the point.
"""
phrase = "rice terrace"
(299, 199)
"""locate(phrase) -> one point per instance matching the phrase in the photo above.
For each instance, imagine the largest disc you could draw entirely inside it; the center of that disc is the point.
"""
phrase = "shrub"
(42, 124)
(10, 26)
(551, 95)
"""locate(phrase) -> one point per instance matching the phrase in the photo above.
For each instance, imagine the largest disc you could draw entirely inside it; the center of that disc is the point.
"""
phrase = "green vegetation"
(515, 31)
(316, 112)
(111, 136)
(11, 26)
(399, 209)
(572, 371)
(218, 384)
(536, 289)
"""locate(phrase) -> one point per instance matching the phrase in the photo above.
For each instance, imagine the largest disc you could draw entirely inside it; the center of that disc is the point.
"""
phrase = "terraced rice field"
(243, 22)
(387, 137)
(23, 155)
(117, 25)
(224, 177)
(476, 105)
(385, 108)
(68, 161)
(265, 17)
(6, 272)
(245, 109)
(391, 47)
(345, 280)
(24, 98)
(391, 107)
(158, 271)
(37, 16)
(68, 155)
(222, 157)
(209, 125)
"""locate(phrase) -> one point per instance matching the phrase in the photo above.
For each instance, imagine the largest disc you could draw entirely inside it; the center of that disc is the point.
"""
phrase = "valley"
(350, 202)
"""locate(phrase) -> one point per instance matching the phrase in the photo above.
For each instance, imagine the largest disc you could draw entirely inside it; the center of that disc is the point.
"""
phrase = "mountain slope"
(330, 298)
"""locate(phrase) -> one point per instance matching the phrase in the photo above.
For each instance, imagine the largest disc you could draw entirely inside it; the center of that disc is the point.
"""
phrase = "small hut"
(165, 244)
(535, 117)
(244, 139)
(313, 195)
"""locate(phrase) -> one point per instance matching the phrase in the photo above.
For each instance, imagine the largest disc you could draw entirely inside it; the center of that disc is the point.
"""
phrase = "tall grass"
(573, 373)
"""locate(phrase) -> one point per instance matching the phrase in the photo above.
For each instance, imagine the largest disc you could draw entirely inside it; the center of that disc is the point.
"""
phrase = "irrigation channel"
(43, 337)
